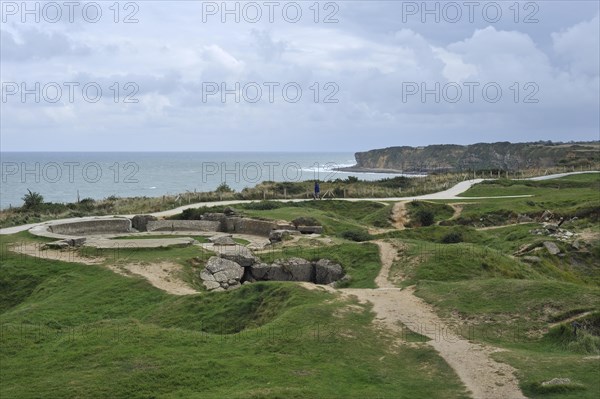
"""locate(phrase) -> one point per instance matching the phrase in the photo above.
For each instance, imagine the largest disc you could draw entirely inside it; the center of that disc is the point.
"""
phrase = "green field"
(501, 300)
(71, 330)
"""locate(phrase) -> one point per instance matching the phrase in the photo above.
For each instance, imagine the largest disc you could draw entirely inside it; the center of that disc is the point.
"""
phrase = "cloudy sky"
(339, 75)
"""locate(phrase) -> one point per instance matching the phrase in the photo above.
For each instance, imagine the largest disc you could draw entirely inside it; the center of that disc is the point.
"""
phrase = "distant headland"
(500, 156)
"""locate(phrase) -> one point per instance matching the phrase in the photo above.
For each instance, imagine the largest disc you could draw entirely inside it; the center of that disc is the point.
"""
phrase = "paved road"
(449, 194)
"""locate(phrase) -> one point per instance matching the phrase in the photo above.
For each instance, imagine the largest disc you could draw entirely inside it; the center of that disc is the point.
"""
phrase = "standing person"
(317, 189)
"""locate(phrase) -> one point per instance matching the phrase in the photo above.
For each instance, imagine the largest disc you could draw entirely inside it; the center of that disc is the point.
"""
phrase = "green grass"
(435, 234)
(583, 340)
(514, 314)
(127, 254)
(241, 241)
(497, 299)
(335, 216)
(503, 187)
(529, 302)
(69, 329)
(488, 254)
(536, 365)
(440, 211)
(23, 236)
(567, 197)
(81, 331)
(445, 262)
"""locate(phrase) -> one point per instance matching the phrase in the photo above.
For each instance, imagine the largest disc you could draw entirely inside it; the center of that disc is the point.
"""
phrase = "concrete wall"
(88, 227)
(233, 224)
(228, 225)
(183, 225)
(249, 226)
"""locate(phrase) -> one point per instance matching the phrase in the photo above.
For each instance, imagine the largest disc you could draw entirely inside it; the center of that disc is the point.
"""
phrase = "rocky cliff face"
(481, 156)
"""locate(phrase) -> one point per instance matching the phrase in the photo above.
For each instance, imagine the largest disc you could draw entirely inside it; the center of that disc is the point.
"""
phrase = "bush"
(32, 199)
(263, 205)
(290, 187)
(356, 235)
(452, 237)
(87, 204)
(305, 221)
(394, 182)
(224, 188)
(425, 217)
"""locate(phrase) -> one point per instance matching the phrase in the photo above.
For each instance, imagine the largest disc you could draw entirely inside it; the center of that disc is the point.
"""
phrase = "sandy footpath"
(483, 376)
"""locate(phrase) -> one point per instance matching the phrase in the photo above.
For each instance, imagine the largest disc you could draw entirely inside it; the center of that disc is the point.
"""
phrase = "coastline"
(360, 169)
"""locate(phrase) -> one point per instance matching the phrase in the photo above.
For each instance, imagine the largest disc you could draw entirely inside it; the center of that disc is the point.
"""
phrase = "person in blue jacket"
(317, 189)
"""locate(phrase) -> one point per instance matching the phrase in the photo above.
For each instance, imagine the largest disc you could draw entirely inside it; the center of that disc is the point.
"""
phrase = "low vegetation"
(424, 213)
(331, 189)
(70, 330)
(484, 269)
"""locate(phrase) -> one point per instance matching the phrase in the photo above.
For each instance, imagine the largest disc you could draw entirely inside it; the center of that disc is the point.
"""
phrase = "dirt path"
(399, 215)
(163, 275)
(388, 254)
(484, 377)
(458, 208)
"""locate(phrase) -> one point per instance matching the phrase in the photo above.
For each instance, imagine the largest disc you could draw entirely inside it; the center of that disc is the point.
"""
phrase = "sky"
(295, 76)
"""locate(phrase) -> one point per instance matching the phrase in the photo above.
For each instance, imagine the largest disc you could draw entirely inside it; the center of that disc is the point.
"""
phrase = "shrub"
(224, 188)
(394, 182)
(425, 217)
(87, 204)
(356, 235)
(290, 187)
(452, 237)
(263, 205)
(32, 199)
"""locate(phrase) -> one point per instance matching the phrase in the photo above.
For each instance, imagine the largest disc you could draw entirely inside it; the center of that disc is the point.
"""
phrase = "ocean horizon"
(67, 176)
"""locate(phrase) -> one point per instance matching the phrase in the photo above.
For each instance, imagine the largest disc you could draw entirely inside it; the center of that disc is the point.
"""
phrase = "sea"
(63, 177)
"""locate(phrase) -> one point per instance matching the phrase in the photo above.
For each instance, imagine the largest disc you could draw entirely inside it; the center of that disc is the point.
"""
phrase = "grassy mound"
(71, 330)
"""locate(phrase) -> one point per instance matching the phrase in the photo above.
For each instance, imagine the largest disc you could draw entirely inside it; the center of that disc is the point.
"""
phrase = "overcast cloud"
(361, 77)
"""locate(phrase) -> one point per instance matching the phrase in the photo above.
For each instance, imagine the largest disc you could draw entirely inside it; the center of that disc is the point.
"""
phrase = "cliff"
(481, 156)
